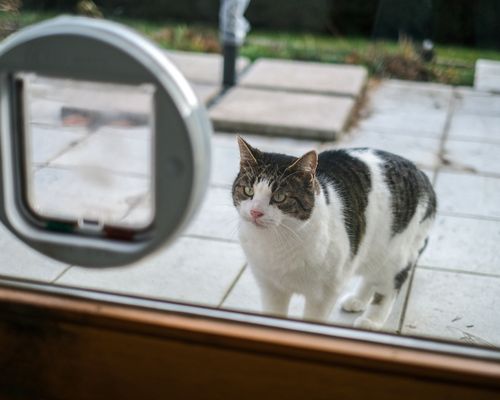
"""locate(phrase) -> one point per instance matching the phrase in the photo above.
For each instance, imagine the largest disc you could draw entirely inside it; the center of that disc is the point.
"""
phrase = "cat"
(309, 224)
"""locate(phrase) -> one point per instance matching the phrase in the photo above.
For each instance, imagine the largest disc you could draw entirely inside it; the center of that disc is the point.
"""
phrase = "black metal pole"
(230, 53)
(233, 29)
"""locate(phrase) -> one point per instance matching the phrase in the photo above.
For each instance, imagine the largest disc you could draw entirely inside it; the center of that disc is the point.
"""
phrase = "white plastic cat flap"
(104, 146)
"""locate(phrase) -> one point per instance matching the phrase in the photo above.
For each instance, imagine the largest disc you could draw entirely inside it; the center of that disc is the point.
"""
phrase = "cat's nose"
(256, 213)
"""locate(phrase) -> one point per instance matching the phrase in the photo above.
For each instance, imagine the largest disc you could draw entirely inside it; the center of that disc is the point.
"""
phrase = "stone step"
(276, 112)
(306, 77)
(277, 97)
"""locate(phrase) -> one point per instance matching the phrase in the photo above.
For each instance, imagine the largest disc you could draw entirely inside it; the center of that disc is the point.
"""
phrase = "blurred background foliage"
(464, 22)
(384, 35)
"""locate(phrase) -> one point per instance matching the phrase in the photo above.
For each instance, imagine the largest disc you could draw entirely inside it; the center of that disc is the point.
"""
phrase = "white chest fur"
(298, 257)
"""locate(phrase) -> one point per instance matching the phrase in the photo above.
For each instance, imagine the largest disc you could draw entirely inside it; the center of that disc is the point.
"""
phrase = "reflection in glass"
(88, 151)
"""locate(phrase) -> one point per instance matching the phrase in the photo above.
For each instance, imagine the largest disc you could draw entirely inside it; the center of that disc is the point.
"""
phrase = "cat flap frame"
(84, 49)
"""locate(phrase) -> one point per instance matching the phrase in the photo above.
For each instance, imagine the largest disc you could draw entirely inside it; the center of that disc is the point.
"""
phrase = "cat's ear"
(248, 155)
(307, 163)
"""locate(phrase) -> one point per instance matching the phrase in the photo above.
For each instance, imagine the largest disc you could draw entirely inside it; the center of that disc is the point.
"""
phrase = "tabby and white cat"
(309, 224)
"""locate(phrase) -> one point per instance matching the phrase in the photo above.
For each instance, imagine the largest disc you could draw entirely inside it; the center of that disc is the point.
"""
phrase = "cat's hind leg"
(386, 288)
(378, 310)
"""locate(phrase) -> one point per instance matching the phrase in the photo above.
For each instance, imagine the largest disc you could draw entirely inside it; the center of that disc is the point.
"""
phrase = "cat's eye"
(279, 197)
(248, 190)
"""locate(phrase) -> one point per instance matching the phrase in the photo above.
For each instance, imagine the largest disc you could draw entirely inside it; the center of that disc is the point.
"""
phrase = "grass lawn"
(452, 65)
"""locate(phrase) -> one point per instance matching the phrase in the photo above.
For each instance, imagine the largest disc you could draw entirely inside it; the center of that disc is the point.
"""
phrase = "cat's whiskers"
(283, 249)
(287, 245)
(294, 234)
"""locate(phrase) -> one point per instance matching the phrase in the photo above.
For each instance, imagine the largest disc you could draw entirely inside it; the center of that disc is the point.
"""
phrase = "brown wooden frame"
(58, 345)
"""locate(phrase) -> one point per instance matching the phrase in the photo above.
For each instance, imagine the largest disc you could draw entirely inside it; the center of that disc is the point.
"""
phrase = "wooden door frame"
(58, 342)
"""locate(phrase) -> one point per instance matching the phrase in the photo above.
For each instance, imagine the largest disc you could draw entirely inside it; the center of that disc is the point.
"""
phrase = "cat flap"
(97, 128)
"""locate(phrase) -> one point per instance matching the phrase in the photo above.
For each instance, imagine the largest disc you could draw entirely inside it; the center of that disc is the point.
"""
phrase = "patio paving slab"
(190, 270)
(94, 194)
(479, 128)
(422, 151)
(282, 113)
(217, 217)
(49, 142)
(474, 157)
(405, 123)
(225, 165)
(205, 91)
(407, 108)
(110, 151)
(487, 75)
(397, 95)
(306, 77)
(290, 146)
(17, 260)
(454, 306)
(202, 67)
(468, 194)
(469, 101)
(463, 244)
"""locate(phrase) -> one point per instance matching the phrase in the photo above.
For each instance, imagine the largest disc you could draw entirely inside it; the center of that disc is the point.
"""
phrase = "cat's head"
(271, 188)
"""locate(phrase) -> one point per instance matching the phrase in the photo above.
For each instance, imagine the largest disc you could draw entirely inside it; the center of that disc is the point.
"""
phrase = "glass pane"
(390, 84)
(88, 151)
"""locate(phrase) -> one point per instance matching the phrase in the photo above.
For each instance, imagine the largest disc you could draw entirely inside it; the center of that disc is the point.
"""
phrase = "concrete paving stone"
(205, 91)
(45, 111)
(468, 194)
(17, 260)
(469, 101)
(454, 306)
(312, 77)
(202, 67)
(49, 142)
(487, 75)
(290, 146)
(73, 193)
(471, 156)
(107, 149)
(281, 113)
(405, 122)
(225, 164)
(422, 151)
(104, 97)
(479, 128)
(140, 212)
(410, 97)
(217, 217)
(245, 296)
(463, 244)
(190, 270)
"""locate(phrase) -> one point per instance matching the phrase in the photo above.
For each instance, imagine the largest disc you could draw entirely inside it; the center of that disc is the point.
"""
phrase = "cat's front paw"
(352, 303)
(366, 323)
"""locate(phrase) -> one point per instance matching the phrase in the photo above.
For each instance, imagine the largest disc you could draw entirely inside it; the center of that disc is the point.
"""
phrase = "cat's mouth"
(258, 223)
